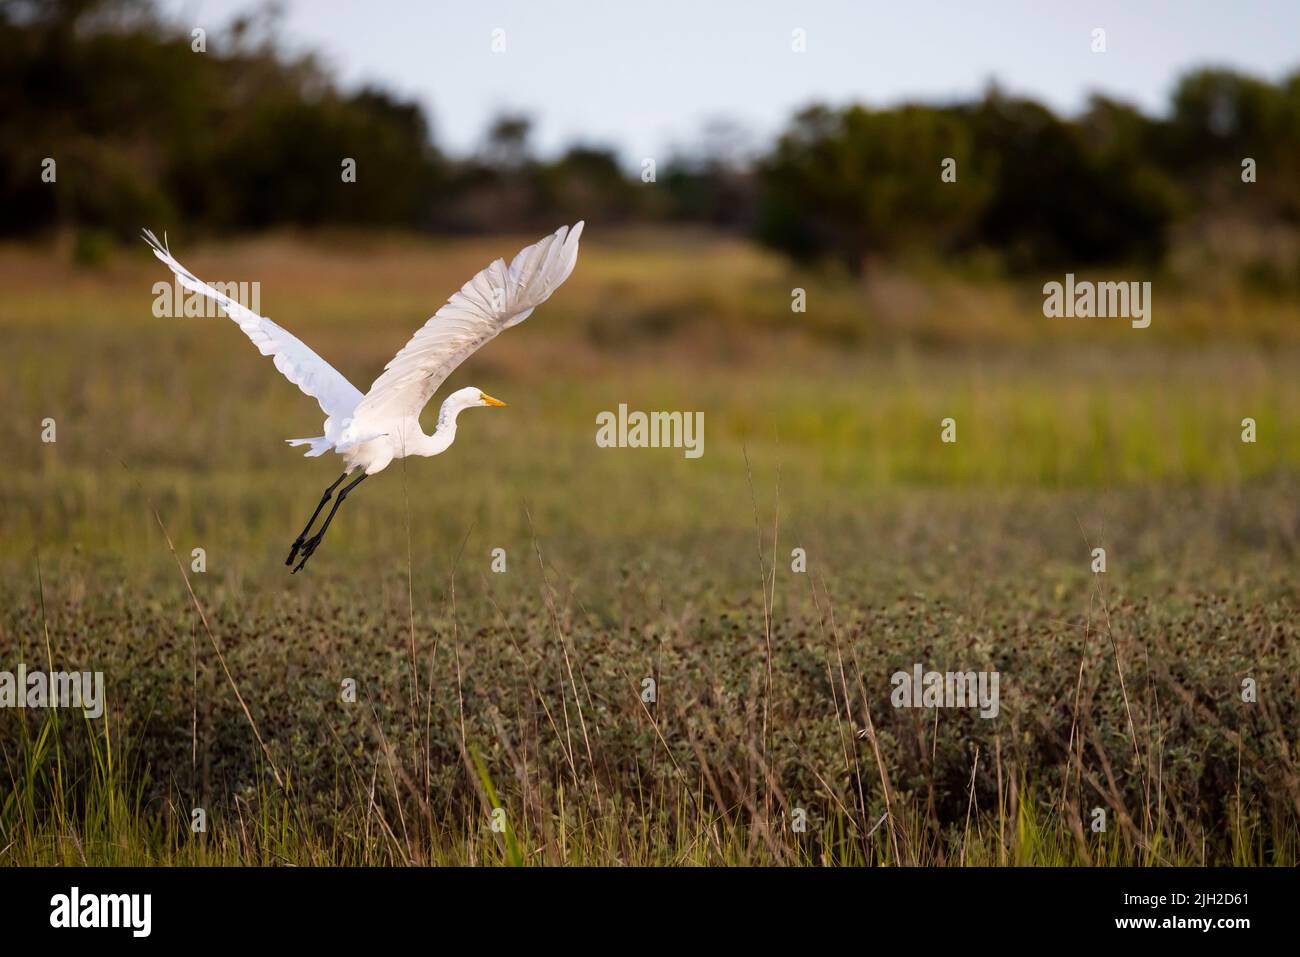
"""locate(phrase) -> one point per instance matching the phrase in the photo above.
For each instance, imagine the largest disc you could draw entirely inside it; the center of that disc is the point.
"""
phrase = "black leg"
(309, 547)
(302, 536)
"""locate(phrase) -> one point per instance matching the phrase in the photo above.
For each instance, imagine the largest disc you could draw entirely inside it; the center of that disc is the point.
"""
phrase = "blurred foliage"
(146, 129)
(244, 136)
(854, 184)
(847, 185)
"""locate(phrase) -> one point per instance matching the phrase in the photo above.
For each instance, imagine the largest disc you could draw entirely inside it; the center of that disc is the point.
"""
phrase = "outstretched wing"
(304, 368)
(496, 299)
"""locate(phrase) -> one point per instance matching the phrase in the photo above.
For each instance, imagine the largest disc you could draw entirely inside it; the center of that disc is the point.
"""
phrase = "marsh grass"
(57, 813)
(523, 691)
(529, 700)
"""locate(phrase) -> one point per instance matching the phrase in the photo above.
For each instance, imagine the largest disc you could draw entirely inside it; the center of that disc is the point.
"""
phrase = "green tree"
(858, 183)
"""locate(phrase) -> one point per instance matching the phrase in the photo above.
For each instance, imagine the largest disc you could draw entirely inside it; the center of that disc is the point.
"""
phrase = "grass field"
(772, 738)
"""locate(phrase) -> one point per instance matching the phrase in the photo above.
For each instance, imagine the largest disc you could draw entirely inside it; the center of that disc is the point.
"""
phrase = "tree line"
(141, 127)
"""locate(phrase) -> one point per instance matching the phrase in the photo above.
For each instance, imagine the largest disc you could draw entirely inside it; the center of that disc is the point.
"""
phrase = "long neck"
(442, 436)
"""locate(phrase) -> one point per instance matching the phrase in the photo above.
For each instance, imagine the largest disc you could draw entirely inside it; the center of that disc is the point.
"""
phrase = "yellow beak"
(488, 400)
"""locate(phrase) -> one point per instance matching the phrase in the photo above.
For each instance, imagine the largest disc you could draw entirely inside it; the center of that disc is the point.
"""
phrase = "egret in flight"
(369, 431)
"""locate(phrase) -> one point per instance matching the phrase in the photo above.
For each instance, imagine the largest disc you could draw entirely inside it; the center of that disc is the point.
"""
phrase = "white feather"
(496, 299)
(337, 396)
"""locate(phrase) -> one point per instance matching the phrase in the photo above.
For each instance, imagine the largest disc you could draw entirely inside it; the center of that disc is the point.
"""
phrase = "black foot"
(293, 552)
(308, 549)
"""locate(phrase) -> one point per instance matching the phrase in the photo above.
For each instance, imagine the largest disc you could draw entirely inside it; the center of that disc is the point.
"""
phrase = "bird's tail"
(319, 445)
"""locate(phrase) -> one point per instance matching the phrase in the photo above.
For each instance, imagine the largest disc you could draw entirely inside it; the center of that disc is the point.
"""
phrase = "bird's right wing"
(499, 297)
(300, 365)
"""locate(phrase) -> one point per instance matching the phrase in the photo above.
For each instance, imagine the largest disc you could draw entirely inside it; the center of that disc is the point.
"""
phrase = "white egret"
(370, 431)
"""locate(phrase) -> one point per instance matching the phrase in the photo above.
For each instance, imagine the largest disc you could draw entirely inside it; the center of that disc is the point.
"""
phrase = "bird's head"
(469, 397)
(459, 401)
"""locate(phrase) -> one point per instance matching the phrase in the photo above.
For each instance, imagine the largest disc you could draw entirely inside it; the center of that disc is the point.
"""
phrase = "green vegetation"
(524, 690)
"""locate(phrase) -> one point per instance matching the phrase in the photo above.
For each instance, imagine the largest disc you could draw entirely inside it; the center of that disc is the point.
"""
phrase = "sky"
(645, 76)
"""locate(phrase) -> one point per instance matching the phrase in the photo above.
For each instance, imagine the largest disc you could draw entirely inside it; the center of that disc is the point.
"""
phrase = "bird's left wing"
(298, 363)
(497, 298)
